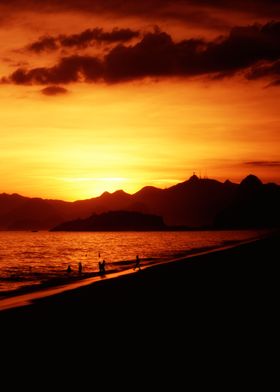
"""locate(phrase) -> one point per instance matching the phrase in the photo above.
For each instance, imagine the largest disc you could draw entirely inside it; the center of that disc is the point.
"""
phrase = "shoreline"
(64, 278)
(76, 278)
(26, 295)
(33, 299)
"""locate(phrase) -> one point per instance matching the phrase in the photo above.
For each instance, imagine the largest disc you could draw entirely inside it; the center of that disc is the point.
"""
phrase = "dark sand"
(233, 286)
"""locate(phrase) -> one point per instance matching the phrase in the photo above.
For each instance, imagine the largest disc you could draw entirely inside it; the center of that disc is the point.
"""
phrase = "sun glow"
(83, 145)
(128, 128)
(97, 186)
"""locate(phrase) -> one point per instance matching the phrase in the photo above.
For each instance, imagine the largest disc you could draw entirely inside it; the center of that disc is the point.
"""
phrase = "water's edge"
(26, 298)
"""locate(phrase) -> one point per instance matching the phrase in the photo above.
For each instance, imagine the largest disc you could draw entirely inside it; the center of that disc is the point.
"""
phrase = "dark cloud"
(83, 39)
(54, 90)
(68, 70)
(267, 8)
(263, 163)
(148, 9)
(275, 83)
(265, 70)
(244, 47)
(205, 14)
(44, 43)
(154, 55)
(98, 34)
(157, 55)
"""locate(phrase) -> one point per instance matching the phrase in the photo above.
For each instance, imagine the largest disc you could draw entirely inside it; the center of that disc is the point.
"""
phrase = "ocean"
(38, 259)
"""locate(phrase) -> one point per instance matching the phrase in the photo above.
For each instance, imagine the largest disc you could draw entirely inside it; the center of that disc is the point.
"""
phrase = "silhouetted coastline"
(225, 282)
(196, 202)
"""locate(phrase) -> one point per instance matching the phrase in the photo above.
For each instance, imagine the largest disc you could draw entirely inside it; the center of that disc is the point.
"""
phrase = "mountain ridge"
(195, 202)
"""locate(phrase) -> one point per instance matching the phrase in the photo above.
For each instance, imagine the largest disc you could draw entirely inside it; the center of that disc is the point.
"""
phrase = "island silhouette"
(114, 221)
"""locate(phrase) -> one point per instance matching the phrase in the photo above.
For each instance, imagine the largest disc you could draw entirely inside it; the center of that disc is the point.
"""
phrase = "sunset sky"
(100, 95)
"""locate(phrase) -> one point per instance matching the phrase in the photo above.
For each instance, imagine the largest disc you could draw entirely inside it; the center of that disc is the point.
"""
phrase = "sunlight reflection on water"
(28, 258)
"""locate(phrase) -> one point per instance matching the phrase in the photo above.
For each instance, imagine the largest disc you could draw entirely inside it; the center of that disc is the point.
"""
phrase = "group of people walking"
(102, 266)
(80, 268)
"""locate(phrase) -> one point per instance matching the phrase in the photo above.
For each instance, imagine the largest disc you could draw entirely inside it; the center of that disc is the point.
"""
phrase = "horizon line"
(146, 186)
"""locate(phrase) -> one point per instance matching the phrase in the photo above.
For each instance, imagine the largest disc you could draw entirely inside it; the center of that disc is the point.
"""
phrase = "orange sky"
(141, 110)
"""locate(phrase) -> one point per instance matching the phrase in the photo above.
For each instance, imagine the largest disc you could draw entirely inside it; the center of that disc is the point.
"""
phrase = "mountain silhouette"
(114, 221)
(194, 203)
(255, 205)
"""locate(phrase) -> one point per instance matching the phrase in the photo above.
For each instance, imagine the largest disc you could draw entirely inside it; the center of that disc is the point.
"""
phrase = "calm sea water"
(38, 258)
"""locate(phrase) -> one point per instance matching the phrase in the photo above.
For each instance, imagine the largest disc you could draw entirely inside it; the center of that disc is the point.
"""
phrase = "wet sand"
(215, 289)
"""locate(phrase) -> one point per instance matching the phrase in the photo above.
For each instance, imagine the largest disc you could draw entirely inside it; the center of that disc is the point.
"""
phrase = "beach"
(210, 319)
(230, 286)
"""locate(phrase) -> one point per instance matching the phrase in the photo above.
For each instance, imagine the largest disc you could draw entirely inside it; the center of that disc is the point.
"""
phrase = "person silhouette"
(69, 269)
(102, 267)
(137, 263)
(80, 268)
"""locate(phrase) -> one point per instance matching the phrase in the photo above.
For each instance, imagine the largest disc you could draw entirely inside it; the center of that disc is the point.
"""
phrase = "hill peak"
(193, 178)
(119, 192)
(105, 194)
(147, 189)
(251, 181)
